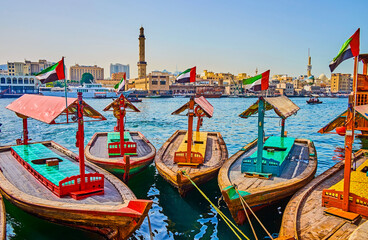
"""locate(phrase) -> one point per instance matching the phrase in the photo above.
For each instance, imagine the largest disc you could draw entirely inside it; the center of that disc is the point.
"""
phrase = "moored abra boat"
(199, 154)
(266, 172)
(335, 204)
(51, 182)
(104, 148)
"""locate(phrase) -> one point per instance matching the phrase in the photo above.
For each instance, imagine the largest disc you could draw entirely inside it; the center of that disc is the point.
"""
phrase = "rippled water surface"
(173, 217)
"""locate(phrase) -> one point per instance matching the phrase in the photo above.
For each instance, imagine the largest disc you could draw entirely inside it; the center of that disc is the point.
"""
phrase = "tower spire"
(142, 62)
(309, 66)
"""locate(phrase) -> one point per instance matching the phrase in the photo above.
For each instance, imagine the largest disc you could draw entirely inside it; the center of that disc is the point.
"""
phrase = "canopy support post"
(282, 127)
(121, 127)
(260, 134)
(25, 131)
(81, 141)
(349, 140)
(190, 129)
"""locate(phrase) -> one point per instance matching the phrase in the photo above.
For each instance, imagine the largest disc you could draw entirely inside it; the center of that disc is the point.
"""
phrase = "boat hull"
(115, 221)
(117, 165)
(173, 174)
(262, 196)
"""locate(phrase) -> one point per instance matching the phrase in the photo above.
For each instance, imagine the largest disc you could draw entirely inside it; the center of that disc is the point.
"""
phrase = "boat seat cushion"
(36, 155)
(199, 143)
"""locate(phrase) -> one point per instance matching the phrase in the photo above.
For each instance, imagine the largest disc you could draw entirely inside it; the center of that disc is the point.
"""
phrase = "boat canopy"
(363, 57)
(47, 109)
(361, 120)
(201, 102)
(115, 105)
(282, 106)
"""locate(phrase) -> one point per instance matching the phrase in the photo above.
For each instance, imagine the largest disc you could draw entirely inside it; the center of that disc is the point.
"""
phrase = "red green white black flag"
(53, 73)
(348, 50)
(257, 83)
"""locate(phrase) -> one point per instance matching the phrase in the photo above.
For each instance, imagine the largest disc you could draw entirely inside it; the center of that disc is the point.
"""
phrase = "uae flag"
(257, 83)
(349, 49)
(52, 73)
(120, 86)
(188, 75)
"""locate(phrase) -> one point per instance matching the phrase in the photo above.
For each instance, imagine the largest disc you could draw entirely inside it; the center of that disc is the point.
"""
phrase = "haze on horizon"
(220, 36)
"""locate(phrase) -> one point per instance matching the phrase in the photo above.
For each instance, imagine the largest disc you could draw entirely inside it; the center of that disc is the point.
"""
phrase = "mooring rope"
(231, 225)
(246, 213)
(149, 226)
(250, 209)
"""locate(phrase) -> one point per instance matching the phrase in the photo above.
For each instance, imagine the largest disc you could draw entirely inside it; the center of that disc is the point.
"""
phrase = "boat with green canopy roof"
(266, 171)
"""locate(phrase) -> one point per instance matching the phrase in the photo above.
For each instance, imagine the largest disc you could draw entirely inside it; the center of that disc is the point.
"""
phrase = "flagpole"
(66, 95)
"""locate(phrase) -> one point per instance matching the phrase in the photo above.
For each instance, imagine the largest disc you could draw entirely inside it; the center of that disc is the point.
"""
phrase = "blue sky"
(220, 36)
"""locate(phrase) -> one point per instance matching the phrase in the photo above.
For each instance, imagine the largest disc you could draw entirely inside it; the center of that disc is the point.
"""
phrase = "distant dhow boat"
(104, 148)
(199, 154)
(264, 172)
(51, 182)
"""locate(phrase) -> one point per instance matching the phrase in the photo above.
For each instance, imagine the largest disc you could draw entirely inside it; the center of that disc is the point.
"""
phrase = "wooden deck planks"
(25, 182)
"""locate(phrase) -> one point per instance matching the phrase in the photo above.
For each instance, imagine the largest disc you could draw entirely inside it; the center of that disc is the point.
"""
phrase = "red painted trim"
(354, 43)
(265, 80)
(193, 73)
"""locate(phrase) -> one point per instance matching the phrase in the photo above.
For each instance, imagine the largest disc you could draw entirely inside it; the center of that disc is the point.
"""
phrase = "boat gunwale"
(293, 208)
(118, 161)
(172, 176)
(2, 219)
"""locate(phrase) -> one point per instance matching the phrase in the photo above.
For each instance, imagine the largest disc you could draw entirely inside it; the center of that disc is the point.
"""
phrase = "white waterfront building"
(19, 84)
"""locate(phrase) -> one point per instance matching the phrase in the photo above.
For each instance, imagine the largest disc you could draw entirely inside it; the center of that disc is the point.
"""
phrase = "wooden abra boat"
(51, 182)
(2, 220)
(104, 147)
(314, 100)
(335, 204)
(287, 163)
(199, 154)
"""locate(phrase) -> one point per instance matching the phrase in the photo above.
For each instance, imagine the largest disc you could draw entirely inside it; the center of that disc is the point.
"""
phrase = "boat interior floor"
(294, 166)
(99, 149)
(17, 175)
(212, 155)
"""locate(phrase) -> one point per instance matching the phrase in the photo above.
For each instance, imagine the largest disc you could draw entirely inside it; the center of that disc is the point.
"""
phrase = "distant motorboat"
(314, 100)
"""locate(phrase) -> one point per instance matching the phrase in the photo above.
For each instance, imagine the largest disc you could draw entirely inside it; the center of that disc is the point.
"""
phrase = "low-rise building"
(155, 82)
(341, 83)
(77, 71)
(285, 89)
(19, 84)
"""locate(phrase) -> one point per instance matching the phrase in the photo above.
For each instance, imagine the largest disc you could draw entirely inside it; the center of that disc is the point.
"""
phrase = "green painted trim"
(231, 192)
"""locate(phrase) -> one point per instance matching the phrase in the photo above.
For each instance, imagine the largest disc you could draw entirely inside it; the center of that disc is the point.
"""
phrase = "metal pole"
(81, 140)
(66, 95)
(190, 129)
(25, 131)
(122, 115)
(282, 127)
(260, 134)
